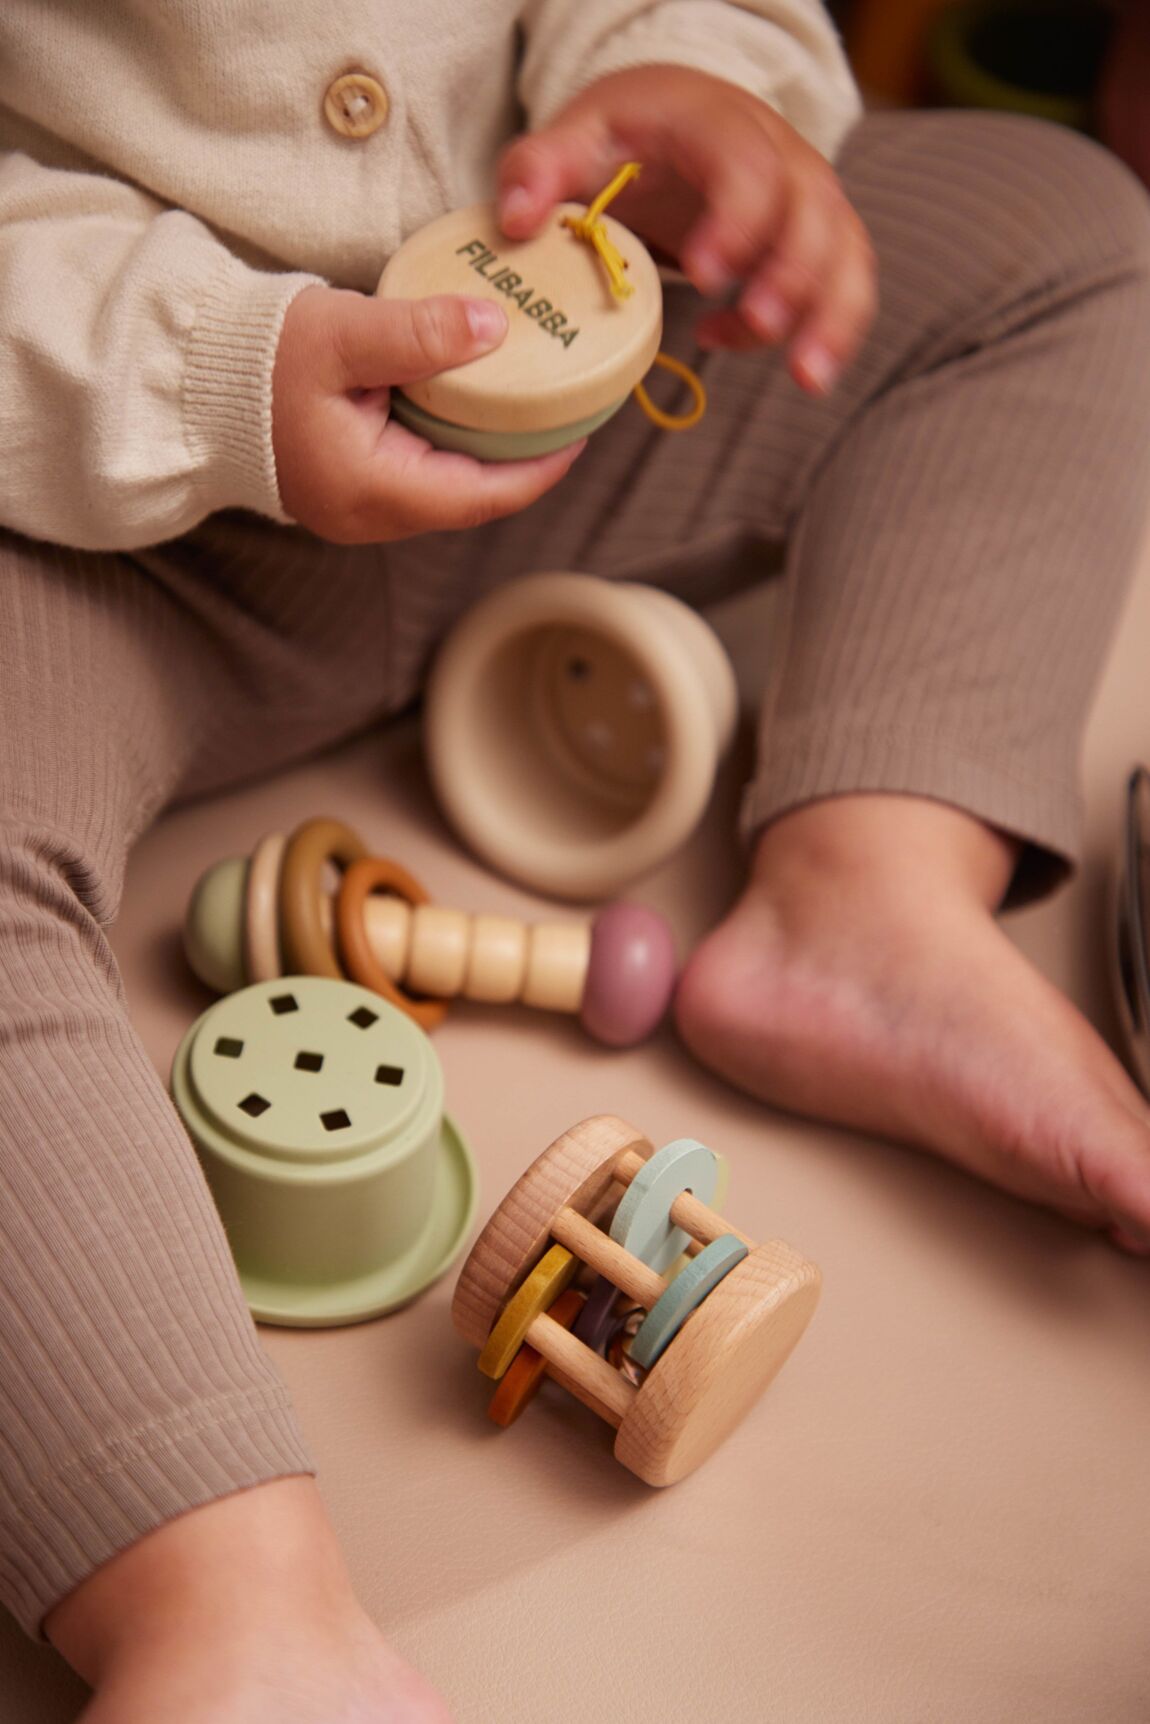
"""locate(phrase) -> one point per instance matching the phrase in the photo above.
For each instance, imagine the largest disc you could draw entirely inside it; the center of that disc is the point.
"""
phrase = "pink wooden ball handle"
(631, 974)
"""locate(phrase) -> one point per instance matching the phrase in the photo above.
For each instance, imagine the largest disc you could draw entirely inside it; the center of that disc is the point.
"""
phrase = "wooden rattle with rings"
(699, 1317)
(256, 919)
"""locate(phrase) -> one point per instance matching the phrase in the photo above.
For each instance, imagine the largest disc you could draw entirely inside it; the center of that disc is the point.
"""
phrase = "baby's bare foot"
(862, 979)
(237, 1613)
(350, 1678)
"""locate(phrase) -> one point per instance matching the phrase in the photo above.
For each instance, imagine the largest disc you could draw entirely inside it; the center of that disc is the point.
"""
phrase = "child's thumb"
(387, 341)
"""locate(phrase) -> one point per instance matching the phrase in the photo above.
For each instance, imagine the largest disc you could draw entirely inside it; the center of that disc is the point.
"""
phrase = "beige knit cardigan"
(169, 182)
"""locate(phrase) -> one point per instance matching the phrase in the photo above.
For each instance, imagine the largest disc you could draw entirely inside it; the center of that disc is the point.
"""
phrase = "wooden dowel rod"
(702, 1223)
(585, 1240)
(628, 1166)
(687, 1212)
(580, 1371)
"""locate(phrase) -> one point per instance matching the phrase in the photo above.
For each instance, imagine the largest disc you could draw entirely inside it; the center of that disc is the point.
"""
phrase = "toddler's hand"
(730, 191)
(346, 470)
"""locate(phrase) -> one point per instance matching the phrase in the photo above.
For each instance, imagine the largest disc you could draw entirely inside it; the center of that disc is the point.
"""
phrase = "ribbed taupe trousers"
(961, 516)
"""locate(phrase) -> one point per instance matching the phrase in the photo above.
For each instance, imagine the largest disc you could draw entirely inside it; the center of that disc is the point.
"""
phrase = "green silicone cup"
(494, 445)
(317, 1111)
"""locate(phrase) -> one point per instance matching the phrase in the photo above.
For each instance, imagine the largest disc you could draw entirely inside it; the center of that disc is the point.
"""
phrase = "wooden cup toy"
(253, 920)
(573, 729)
(584, 308)
(602, 1201)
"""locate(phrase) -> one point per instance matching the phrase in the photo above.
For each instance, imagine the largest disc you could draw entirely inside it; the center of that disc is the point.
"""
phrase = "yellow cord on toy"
(592, 228)
(668, 421)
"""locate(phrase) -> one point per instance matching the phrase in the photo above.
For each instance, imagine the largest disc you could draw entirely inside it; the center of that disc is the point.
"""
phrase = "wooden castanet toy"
(255, 920)
(584, 307)
(699, 1346)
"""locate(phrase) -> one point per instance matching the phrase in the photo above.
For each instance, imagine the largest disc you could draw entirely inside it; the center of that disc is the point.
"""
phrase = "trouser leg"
(132, 1385)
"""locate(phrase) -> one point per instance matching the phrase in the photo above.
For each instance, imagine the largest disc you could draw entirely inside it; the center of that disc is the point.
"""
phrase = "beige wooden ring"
(307, 950)
(370, 874)
(551, 1276)
(263, 961)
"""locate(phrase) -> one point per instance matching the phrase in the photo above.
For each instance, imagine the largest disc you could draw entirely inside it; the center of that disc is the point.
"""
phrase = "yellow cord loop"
(593, 229)
(668, 421)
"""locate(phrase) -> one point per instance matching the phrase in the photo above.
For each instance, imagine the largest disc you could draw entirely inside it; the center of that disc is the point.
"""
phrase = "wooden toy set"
(255, 919)
(574, 728)
(697, 1317)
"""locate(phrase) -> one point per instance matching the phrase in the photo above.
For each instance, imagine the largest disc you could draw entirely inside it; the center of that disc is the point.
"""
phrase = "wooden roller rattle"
(699, 1314)
(252, 920)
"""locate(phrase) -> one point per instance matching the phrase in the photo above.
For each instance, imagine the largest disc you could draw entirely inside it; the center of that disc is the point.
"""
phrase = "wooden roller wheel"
(577, 1171)
(719, 1364)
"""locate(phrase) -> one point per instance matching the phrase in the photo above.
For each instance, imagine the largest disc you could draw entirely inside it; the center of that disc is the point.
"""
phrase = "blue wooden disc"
(685, 1294)
(642, 1223)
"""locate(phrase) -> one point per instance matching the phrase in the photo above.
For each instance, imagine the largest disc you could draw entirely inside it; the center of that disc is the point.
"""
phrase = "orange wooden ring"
(307, 950)
(370, 874)
(519, 1384)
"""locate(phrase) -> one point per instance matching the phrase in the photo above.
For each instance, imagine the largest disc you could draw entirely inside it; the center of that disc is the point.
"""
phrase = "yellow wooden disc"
(551, 1276)
(521, 1381)
(572, 347)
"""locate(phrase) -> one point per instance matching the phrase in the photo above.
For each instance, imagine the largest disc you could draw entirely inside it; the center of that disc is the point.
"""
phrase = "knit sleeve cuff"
(65, 1526)
(227, 393)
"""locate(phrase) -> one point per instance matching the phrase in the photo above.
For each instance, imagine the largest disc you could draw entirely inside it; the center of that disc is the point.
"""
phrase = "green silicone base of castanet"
(494, 445)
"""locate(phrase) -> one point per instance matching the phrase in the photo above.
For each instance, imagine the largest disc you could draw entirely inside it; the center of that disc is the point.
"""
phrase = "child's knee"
(50, 879)
(1071, 203)
(979, 214)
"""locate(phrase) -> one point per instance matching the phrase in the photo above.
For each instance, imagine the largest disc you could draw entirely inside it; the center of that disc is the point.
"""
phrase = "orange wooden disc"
(372, 874)
(519, 1384)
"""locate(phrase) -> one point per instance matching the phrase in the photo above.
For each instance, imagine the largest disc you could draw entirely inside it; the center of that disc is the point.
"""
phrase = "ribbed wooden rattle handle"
(496, 959)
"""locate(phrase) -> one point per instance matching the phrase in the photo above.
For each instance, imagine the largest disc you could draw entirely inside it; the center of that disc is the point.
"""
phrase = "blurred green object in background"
(1036, 57)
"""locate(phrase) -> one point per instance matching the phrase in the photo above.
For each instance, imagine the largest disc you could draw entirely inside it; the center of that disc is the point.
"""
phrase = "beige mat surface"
(940, 1512)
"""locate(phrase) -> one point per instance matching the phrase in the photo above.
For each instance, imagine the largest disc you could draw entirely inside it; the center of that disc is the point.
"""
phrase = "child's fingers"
(838, 321)
(384, 341)
(833, 311)
(792, 277)
(570, 160)
(745, 192)
(410, 488)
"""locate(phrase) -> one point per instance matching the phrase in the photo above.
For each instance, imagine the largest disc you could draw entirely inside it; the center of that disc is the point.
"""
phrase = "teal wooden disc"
(686, 1293)
(642, 1223)
(495, 445)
